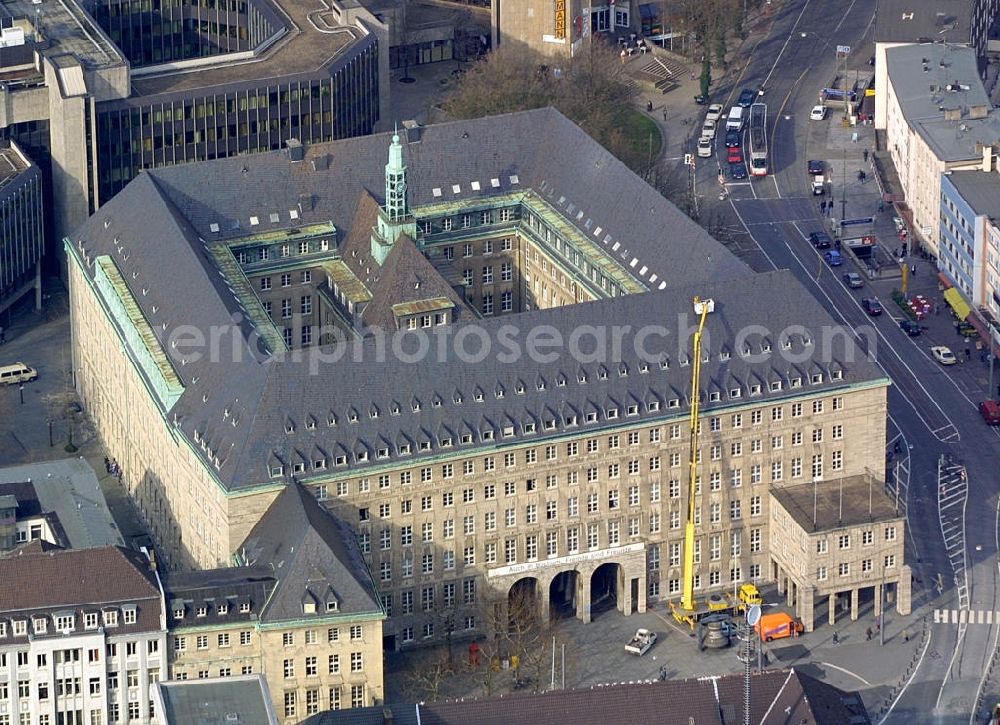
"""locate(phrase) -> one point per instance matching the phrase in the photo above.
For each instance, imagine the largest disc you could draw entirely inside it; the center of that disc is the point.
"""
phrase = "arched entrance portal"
(563, 595)
(606, 590)
(522, 603)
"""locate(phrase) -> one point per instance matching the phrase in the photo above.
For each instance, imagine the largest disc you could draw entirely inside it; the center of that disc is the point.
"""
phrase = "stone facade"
(841, 544)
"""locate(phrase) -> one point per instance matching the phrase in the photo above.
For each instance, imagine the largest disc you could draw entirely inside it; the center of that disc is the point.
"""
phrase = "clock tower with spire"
(394, 217)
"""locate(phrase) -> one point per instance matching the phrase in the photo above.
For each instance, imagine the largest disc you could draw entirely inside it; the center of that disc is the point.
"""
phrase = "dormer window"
(223, 608)
(19, 627)
(332, 605)
(65, 622)
(487, 435)
(674, 403)
(244, 607)
(309, 607)
(508, 431)
(570, 420)
(653, 405)
(775, 386)
(466, 438)
(632, 410)
(90, 620)
(755, 389)
(529, 427)
(816, 378)
(298, 467)
(735, 392)
(179, 613)
(446, 442)
(202, 611)
(276, 471)
(40, 625)
(714, 396)
(129, 615)
(612, 413)
(382, 453)
(837, 374)
(110, 618)
(591, 417)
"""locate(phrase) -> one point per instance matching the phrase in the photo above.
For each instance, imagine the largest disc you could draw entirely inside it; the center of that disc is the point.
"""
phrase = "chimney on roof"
(321, 162)
(987, 158)
(413, 131)
(296, 151)
(387, 717)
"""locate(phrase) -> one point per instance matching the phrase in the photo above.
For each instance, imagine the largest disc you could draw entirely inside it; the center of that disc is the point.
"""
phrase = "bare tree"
(425, 678)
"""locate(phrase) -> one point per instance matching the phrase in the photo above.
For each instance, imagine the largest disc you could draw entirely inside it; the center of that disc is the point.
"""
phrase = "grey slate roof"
(312, 554)
(980, 189)
(210, 701)
(924, 21)
(68, 489)
(777, 697)
(406, 275)
(189, 590)
(241, 409)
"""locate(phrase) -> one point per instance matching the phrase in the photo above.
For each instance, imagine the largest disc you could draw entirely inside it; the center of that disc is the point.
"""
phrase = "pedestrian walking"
(836, 638)
(861, 175)
(881, 206)
(623, 54)
(878, 627)
(649, 106)
(864, 177)
(868, 634)
(906, 636)
(3, 336)
(692, 74)
(664, 114)
(864, 155)
(968, 353)
(913, 270)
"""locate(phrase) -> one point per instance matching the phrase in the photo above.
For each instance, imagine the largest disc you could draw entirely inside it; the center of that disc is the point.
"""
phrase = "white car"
(943, 355)
(818, 113)
(708, 130)
(714, 112)
(706, 147)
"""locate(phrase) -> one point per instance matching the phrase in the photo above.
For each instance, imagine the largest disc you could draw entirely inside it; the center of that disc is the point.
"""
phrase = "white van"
(17, 373)
(734, 122)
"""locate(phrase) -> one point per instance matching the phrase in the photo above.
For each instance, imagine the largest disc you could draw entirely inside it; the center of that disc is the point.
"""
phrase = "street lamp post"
(49, 421)
(20, 390)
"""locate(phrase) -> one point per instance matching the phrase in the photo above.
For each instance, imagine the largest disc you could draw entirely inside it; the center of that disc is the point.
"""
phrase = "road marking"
(965, 616)
(847, 672)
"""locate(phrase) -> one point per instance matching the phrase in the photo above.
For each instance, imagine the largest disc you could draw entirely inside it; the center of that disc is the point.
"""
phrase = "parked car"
(706, 147)
(815, 167)
(747, 97)
(17, 373)
(853, 280)
(833, 258)
(714, 112)
(708, 130)
(943, 355)
(820, 240)
(701, 100)
(737, 171)
(733, 139)
(990, 410)
(910, 327)
(818, 113)
(872, 306)
(641, 641)
(734, 155)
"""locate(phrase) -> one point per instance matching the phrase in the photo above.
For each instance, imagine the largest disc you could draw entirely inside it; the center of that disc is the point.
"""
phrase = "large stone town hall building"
(343, 302)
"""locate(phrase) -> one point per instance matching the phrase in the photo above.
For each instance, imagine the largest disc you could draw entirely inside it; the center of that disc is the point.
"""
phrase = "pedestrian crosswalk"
(966, 616)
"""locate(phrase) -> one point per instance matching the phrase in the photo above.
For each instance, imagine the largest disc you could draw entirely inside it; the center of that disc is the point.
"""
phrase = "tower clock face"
(401, 185)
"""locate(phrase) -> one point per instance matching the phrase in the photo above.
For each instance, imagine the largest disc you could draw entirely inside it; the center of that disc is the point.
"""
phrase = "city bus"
(758, 139)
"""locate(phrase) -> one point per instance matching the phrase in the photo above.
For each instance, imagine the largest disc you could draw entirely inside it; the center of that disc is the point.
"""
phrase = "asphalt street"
(931, 407)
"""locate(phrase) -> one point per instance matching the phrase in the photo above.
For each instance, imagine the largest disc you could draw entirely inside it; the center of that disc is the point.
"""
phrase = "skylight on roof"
(436, 191)
(456, 188)
(495, 183)
(293, 213)
(254, 221)
(475, 186)
(213, 227)
(514, 179)
(274, 217)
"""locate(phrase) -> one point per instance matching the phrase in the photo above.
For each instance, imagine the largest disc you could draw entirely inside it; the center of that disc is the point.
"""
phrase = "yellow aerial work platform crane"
(688, 610)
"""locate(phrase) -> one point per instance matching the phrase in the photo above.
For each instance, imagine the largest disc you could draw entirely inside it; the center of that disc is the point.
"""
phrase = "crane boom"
(702, 308)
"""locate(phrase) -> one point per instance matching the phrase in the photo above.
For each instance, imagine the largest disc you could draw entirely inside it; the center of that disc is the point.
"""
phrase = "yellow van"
(17, 373)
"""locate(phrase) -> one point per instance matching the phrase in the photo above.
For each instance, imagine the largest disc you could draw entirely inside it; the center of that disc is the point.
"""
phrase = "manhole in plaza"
(407, 80)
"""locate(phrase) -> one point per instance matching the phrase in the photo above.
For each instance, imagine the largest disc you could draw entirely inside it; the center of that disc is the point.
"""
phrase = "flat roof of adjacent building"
(68, 29)
(12, 163)
(837, 504)
(313, 41)
(923, 21)
(70, 489)
(215, 701)
(981, 189)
